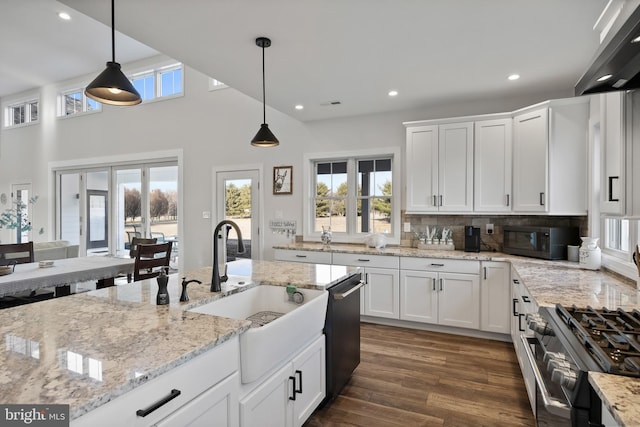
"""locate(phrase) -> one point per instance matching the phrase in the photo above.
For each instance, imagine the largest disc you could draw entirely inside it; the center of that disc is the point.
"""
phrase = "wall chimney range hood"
(617, 57)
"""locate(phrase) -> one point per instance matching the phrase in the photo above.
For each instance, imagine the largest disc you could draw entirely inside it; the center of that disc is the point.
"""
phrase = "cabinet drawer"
(191, 379)
(366, 260)
(439, 264)
(303, 256)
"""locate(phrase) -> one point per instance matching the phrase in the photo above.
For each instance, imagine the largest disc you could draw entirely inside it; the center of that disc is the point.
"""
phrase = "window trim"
(309, 159)
(156, 71)
(85, 102)
(26, 102)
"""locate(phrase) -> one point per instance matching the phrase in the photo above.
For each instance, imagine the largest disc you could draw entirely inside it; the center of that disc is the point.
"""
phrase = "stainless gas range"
(568, 342)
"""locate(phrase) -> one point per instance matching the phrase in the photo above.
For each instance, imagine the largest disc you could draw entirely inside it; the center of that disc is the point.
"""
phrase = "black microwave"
(539, 242)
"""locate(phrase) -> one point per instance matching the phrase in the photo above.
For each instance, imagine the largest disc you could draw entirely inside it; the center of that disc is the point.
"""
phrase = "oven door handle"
(551, 404)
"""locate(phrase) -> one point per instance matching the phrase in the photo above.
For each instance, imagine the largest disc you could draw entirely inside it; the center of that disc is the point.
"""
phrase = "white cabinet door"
(495, 297)
(418, 296)
(219, 403)
(382, 293)
(530, 140)
(459, 300)
(455, 167)
(612, 134)
(267, 406)
(310, 374)
(422, 168)
(492, 165)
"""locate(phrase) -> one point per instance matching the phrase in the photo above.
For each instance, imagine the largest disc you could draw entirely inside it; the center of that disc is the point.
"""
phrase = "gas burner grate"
(261, 318)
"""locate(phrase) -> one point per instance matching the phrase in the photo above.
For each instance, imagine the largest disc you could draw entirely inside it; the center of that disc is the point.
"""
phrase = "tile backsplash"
(491, 241)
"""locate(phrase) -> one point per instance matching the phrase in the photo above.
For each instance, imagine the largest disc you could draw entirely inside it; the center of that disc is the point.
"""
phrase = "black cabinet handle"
(507, 200)
(301, 256)
(435, 200)
(293, 389)
(485, 272)
(363, 260)
(520, 316)
(440, 200)
(515, 310)
(516, 281)
(433, 264)
(434, 283)
(441, 283)
(299, 390)
(610, 198)
(144, 412)
(525, 298)
(541, 199)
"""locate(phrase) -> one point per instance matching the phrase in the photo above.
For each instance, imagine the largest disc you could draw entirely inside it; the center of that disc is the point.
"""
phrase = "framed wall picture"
(282, 180)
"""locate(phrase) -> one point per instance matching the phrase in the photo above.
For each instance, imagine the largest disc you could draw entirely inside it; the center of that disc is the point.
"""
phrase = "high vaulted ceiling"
(352, 51)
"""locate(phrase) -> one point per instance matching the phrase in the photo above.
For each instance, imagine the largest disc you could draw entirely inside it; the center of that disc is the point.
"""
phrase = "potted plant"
(16, 218)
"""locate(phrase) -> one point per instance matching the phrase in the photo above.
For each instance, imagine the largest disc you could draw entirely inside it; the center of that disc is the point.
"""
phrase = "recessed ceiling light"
(635, 40)
(299, 107)
(514, 77)
(605, 77)
(64, 15)
(393, 93)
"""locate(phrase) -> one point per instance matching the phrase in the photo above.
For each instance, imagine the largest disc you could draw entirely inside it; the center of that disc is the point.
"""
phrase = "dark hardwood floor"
(410, 378)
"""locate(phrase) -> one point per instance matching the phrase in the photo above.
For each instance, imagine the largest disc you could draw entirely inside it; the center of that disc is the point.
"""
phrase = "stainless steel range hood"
(618, 55)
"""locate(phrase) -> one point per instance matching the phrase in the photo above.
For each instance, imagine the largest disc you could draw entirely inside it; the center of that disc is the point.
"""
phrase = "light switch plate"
(489, 228)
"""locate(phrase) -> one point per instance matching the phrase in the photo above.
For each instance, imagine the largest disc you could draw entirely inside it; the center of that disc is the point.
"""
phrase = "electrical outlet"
(407, 227)
(206, 214)
(489, 228)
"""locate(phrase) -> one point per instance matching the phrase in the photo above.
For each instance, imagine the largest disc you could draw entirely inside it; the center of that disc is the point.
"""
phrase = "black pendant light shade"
(112, 86)
(264, 137)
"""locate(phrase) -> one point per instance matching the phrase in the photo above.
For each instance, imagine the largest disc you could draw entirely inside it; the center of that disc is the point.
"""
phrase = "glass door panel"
(163, 206)
(97, 195)
(128, 208)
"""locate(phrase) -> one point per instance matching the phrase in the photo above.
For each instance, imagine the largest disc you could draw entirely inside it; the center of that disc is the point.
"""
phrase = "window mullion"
(352, 197)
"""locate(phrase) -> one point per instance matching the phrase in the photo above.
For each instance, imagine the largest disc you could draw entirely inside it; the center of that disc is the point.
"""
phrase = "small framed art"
(282, 180)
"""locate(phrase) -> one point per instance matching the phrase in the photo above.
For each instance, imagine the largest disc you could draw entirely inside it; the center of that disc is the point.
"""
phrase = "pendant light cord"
(113, 31)
(264, 96)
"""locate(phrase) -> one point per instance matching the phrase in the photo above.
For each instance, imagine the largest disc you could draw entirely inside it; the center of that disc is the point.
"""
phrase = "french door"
(102, 209)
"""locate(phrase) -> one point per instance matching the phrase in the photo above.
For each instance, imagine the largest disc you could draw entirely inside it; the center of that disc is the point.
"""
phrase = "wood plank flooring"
(410, 378)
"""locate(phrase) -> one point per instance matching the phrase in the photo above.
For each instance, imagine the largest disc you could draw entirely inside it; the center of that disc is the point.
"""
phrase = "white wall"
(212, 128)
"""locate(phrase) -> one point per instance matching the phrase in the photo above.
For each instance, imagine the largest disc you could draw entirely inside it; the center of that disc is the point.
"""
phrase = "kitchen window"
(21, 113)
(75, 102)
(354, 195)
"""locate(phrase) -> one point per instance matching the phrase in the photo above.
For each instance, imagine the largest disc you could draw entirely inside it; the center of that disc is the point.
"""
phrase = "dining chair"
(150, 260)
(16, 253)
(133, 249)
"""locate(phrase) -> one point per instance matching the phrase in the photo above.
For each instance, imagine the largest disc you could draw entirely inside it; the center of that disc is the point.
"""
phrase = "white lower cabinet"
(289, 396)
(380, 297)
(495, 297)
(189, 395)
(431, 295)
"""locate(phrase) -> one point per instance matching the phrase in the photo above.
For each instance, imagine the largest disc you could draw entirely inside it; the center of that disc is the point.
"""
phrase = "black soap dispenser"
(163, 293)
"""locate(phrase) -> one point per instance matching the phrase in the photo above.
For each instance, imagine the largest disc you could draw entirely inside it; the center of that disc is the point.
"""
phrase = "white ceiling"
(353, 51)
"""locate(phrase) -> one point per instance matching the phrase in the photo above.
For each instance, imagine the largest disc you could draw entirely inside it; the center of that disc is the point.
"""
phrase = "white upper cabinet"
(439, 168)
(612, 137)
(550, 158)
(492, 172)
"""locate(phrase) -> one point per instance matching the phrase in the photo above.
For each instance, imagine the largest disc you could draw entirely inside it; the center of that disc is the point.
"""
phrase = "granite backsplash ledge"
(494, 241)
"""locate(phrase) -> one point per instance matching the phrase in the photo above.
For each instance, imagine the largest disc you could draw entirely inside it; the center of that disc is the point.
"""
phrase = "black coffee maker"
(471, 239)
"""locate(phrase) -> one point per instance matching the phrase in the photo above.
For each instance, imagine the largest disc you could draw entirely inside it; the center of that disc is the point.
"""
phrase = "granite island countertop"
(87, 349)
(549, 283)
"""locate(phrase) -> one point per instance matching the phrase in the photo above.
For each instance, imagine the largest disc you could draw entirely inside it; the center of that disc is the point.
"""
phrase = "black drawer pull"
(293, 389)
(516, 281)
(520, 316)
(363, 260)
(525, 298)
(515, 310)
(299, 390)
(433, 264)
(144, 412)
(301, 256)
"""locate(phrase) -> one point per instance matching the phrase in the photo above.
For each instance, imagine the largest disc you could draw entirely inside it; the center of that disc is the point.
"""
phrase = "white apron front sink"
(289, 326)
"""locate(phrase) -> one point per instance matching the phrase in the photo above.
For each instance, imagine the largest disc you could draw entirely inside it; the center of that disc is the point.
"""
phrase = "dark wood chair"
(133, 249)
(150, 260)
(16, 253)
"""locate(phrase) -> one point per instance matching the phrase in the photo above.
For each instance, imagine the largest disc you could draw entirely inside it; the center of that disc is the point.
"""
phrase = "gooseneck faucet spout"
(216, 280)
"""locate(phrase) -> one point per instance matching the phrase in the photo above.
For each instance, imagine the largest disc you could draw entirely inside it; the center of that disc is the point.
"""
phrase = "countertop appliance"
(539, 242)
(342, 332)
(471, 239)
(567, 343)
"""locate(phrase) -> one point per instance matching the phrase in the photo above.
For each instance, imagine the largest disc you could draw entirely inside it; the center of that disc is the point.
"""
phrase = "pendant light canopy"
(264, 137)
(112, 86)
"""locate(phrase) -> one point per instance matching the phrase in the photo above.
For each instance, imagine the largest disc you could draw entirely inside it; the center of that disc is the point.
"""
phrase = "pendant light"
(112, 86)
(264, 137)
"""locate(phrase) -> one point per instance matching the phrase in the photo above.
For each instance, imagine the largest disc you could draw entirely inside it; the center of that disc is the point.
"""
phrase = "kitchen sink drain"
(261, 318)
